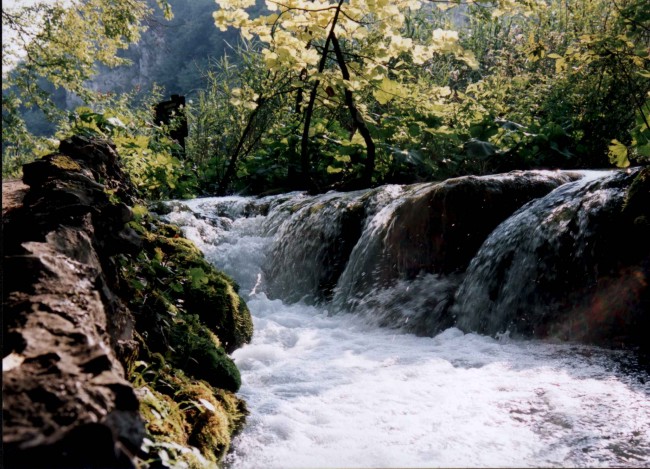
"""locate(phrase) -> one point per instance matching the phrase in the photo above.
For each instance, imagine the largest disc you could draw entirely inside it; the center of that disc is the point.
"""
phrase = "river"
(332, 389)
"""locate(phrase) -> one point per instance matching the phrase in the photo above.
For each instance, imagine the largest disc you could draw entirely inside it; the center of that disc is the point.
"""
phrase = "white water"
(332, 390)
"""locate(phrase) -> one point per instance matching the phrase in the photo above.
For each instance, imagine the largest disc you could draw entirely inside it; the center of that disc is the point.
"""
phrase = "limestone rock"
(63, 383)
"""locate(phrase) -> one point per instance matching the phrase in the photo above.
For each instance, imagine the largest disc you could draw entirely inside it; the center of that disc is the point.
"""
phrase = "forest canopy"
(343, 94)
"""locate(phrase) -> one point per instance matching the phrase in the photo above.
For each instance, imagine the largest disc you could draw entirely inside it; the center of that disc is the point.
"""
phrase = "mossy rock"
(211, 417)
(216, 301)
(163, 416)
(196, 351)
(188, 318)
(205, 291)
(192, 421)
(65, 163)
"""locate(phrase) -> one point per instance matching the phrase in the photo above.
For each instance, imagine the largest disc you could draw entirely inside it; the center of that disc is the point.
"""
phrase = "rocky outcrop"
(85, 352)
(347, 245)
(437, 228)
(441, 229)
(574, 265)
(63, 386)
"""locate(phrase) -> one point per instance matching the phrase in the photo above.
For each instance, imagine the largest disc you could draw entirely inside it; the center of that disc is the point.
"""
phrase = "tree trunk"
(232, 165)
(369, 168)
(305, 160)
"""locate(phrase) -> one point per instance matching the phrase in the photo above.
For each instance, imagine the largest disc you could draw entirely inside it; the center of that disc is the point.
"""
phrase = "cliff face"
(80, 328)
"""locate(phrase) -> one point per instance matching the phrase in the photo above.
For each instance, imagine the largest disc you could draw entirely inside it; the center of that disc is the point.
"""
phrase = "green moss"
(188, 317)
(163, 416)
(218, 294)
(205, 291)
(208, 418)
(316, 208)
(194, 349)
(65, 162)
(192, 420)
(169, 231)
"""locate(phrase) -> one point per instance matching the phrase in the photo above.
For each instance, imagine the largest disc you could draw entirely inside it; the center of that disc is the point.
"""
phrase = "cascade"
(541, 271)
(327, 388)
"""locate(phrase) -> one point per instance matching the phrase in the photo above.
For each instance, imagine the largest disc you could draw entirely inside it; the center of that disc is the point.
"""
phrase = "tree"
(341, 49)
(60, 43)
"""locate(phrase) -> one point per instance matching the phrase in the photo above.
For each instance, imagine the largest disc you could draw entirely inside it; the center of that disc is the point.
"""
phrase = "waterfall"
(538, 272)
(329, 385)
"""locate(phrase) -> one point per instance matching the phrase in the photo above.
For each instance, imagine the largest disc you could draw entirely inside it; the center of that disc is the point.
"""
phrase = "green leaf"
(197, 276)
(333, 170)
(139, 211)
(618, 154)
(388, 89)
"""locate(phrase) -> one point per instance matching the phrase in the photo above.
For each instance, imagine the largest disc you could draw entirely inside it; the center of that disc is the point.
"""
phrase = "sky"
(8, 35)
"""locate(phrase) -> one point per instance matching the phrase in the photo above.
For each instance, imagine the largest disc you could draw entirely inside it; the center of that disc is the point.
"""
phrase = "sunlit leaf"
(618, 154)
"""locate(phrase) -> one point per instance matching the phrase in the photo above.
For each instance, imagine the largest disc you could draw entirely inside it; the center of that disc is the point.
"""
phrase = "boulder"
(574, 265)
(64, 386)
(441, 229)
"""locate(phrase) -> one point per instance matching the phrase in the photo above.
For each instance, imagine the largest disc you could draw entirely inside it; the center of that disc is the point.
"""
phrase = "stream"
(327, 388)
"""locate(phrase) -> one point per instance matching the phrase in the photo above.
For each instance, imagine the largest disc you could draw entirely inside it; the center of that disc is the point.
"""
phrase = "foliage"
(63, 42)
(342, 55)
(146, 150)
(182, 373)
(552, 85)
(230, 117)
(350, 93)
(571, 76)
(58, 44)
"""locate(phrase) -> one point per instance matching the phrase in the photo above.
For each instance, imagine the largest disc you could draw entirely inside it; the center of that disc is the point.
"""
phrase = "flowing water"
(332, 389)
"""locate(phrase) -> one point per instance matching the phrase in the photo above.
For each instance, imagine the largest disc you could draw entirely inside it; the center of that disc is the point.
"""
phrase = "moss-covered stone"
(215, 293)
(210, 294)
(130, 285)
(212, 419)
(197, 352)
(190, 420)
(64, 162)
(189, 317)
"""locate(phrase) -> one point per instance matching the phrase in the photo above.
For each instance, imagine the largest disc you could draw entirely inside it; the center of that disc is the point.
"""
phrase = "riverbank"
(116, 330)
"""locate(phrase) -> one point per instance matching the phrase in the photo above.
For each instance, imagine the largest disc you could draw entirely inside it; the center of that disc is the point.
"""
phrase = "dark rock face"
(440, 230)
(63, 383)
(574, 265)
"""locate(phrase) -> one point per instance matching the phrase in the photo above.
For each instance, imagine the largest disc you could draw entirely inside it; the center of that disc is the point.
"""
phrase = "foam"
(333, 390)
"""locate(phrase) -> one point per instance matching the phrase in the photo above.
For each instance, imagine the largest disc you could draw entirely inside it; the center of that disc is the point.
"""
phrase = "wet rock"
(435, 228)
(574, 265)
(63, 381)
(441, 229)
(314, 246)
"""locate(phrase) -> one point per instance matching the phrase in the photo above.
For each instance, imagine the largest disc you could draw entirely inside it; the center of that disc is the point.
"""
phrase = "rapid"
(327, 387)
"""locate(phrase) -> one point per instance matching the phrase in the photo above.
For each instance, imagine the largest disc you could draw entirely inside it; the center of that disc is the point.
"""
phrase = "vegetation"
(346, 94)
(517, 85)
(53, 45)
(190, 316)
